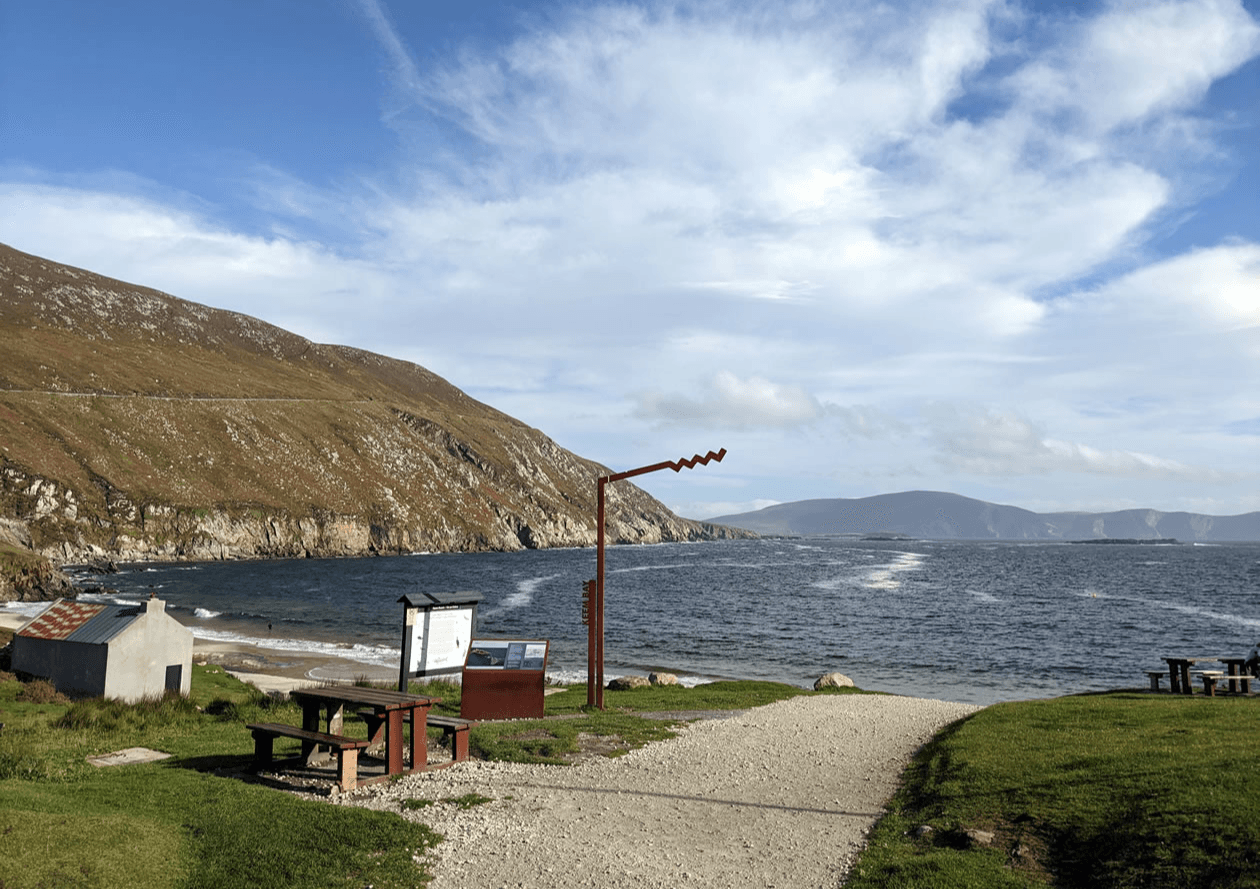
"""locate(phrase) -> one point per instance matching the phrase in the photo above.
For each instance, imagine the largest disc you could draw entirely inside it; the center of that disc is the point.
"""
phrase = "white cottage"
(127, 652)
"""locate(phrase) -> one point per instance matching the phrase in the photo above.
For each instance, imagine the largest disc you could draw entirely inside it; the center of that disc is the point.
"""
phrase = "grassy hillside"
(138, 425)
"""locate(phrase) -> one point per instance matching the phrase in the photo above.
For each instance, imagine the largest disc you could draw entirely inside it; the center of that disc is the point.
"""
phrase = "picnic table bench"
(1179, 675)
(453, 727)
(345, 749)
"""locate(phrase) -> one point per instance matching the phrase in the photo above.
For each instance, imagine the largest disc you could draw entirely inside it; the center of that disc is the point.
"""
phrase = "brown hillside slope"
(137, 425)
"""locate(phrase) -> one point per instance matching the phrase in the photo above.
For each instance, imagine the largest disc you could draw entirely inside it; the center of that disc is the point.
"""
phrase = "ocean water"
(960, 621)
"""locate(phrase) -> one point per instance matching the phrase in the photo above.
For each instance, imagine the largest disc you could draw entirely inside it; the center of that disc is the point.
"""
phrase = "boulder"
(625, 683)
(662, 679)
(977, 837)
(833, 680)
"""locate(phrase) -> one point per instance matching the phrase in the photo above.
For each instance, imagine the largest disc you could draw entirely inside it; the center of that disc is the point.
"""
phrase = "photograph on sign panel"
(485, 654)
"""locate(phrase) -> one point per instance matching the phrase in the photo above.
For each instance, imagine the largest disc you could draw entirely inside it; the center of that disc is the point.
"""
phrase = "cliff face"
(135, 425)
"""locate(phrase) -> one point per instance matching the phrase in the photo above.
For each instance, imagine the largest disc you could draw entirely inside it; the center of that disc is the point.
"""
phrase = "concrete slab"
(128, 757)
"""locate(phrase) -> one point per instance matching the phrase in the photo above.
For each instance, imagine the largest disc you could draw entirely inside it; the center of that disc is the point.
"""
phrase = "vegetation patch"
(177, 823)
(1117, 790)
(467, 801)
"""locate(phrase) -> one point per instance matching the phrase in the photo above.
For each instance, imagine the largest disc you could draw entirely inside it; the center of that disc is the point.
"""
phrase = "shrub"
(109, 715)
(41, 691)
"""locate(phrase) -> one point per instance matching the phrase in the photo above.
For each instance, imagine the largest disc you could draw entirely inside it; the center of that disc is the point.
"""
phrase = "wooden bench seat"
(347, 749)
(456, 729)
(452, 727)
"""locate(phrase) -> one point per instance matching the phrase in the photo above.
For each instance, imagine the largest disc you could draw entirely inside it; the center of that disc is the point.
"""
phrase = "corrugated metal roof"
(89, 622)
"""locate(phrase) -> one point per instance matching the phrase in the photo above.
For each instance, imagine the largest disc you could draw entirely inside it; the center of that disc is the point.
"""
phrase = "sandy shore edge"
(268, 669)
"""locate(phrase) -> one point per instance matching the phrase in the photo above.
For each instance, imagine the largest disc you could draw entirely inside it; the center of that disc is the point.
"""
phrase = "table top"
(1188, 660)
(379, 698)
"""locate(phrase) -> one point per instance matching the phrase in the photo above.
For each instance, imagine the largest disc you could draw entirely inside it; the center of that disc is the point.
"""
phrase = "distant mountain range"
(935, 515)
(138, 426)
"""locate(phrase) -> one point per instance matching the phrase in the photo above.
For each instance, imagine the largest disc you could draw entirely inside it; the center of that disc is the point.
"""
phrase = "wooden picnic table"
(392, 707)
(1237, 674)
(1179, 673)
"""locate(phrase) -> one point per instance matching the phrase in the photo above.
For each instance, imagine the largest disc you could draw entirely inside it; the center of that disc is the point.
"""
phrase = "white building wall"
(141, 655)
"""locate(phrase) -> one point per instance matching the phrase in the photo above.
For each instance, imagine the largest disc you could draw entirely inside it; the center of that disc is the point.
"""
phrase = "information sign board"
(437, 630)
(504, 679)
(507, 654)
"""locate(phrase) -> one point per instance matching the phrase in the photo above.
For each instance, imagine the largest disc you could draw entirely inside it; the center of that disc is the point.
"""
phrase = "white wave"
(380, 655)
(524, 595)
(983, 597)
(886, 576)
(1193, 610)
(106, 599)
(205, 613)
(649, 568)
(562, 676)
(24, 609)
(831, 583)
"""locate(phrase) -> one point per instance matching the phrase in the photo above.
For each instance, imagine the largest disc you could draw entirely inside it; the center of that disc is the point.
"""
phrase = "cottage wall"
(154, 651)
(73, 667)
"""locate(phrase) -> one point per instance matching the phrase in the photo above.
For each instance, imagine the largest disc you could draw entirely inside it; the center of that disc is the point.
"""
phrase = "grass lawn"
(1120, 790)
(175, 823)
(1115, 790)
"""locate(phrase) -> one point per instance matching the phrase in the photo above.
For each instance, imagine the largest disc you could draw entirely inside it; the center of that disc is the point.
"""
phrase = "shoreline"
(268, 669)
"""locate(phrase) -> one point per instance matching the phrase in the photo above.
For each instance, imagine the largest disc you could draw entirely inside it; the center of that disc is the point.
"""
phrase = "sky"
(1009, 250)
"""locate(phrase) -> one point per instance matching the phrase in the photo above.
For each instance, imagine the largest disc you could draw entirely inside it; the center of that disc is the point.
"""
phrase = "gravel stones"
(780, 795)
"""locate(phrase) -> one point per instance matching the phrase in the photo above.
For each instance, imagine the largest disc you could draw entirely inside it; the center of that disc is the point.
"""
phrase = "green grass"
(176, 823)
(1118, 790)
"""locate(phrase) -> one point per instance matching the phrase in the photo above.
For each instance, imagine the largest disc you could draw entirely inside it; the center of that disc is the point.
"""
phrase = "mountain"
(930, 514)
(135, 425)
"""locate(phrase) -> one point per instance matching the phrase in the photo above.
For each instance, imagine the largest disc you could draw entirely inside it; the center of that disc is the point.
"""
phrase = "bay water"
(969, 621)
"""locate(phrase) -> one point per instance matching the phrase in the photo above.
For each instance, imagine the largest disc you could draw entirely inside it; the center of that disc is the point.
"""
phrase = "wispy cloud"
(731, 402)
(986, 442)
(796, 223)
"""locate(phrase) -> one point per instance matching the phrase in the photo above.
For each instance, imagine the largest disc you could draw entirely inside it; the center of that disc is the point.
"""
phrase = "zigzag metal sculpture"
(676, 465)
(689, 464)
(594, 617)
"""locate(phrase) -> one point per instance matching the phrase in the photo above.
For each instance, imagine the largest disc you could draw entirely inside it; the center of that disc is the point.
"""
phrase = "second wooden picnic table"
(1179, 673)
(392, 707)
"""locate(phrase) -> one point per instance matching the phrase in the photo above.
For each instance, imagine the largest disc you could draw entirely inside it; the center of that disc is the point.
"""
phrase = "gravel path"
(781, 795)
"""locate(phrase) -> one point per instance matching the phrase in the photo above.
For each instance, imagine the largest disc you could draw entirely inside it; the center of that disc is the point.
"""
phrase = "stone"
(662, 679)
(625, 683)
(833, 680)
(979, 837)
(923, 831)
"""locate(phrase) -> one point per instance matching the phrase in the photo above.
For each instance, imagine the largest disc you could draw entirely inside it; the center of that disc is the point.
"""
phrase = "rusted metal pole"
(595, 642)
(595, 636)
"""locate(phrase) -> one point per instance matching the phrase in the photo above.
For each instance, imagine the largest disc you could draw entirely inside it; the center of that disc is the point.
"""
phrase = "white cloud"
(828, 213)
(301, 286)
(988, 442)
(1138, 59)
(729, 401)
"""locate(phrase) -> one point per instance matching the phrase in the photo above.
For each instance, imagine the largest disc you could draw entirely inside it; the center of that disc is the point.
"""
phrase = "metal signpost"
(593, 590)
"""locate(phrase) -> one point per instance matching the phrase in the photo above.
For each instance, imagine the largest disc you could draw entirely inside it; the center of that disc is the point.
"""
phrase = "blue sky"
(1009, 250)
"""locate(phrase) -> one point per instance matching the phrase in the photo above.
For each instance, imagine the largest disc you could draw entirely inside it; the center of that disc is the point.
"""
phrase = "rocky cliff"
(137, 426)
